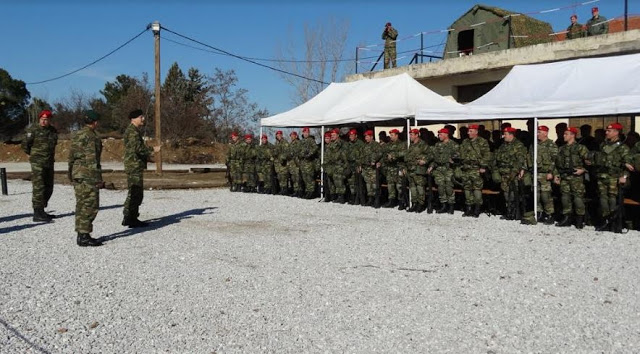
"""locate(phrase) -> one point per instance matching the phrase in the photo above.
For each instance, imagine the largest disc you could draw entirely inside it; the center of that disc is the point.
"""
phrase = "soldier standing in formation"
(248, 156)
(265, 165)
(370, 162)
(389, 35)
(280, 158)
(570, 164)
(85, 172)
(575, 30)
(293, 164)
(597, 24)
(546, 160)
(475, 156)
(417, 159)
(354, 151)
(444, 152)
(308, 157)
(234, 160)
(393, 163)
(508, 162)
(40, 144)
(136, 155)
(335, 164)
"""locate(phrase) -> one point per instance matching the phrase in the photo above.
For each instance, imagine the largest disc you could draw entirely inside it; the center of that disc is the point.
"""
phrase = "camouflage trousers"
(369, 176)
(294, 172)
(472, 184)
(249, 174)
(443, 176)
(545, 199)
(308, 170)
(283, 175)
(87, 204)
(134, 195)
(572, 189)
(351, 181)
(235, 171)
(42, 181)
(264, 174)
(336, 180)
(389, 57)
(505, 185)
(394, 184)
(417, 185)
(607, 193)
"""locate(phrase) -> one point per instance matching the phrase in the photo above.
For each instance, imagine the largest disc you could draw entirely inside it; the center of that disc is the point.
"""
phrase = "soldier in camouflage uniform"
(309, 152)
(370, 160)
(393, 162)
(265, 165)
(444, 153)
(354, 151)
(335, 164)
(509, 160)
(612, 164)
(417, 158)
(475, 156)
(575, 30)
(40, 144)
(389, 35)
(570, 164)
(597, 24)
(85, 172)
(136, 155)
(546, 161)
(234, 162)
(249, 154)
(280, 157)
(293, 164)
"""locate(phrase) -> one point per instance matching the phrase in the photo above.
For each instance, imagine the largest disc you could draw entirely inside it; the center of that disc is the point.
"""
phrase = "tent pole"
(260, 138)
(408, 145)
(322, 164)
(535, 168)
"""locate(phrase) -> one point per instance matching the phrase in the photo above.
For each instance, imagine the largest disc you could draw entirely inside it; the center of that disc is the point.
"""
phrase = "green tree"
(14, 98)
(121, 96)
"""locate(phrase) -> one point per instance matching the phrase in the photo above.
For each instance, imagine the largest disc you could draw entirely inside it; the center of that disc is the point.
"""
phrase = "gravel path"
(244, 273)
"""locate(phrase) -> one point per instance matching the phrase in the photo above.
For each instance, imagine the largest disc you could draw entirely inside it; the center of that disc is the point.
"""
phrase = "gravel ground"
(244, 273)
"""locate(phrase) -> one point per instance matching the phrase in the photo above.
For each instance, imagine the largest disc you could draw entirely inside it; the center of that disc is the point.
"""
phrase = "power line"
(243, 58)
(93, 62)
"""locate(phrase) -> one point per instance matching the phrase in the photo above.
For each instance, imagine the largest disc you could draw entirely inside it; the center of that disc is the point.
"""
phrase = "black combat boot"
(451, 208)
(134, 222)
(565, 222)
(605, 226)
(548, 219)
(50, 216)
(443, 208)
(370, 201)
(412, 208)
(467, 211)
(579, 221)
(401, 205)
(392, 203)
(125, 221)
(40, 216)
(85, 240)
(308, 195)
(419, 208)
(476, 210)
(340, 199)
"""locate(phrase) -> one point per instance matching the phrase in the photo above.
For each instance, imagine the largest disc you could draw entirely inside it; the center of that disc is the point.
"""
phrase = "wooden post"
(158, 127)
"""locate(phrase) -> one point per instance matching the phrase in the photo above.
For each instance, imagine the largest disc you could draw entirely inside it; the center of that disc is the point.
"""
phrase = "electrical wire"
(93, 62)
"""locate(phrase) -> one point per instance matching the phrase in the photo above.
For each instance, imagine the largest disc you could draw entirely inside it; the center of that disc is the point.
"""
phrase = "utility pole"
(626, 15)
(155, 27)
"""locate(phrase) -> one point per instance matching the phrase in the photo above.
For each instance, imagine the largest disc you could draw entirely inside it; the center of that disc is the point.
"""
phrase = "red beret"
(305, 129)
(327, 134)
(293, 133)
(474, 126)
(594, 9)
(264, 136)
(45, 114)
(544, 128)
(443, 130)
(335, 131)
(616, 126)
(574, 130)
(369, 132)
(394, 131)
(388, 24)
(279, 132)
(353, 131)
(509, 130)
(248, 136)
(414, 131)
(234, 134)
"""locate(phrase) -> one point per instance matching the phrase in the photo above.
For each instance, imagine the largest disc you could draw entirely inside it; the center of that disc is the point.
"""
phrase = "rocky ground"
(221, 272)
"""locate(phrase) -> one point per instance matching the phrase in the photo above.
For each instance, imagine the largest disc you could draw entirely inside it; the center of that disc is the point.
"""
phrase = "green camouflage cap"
(91, 116)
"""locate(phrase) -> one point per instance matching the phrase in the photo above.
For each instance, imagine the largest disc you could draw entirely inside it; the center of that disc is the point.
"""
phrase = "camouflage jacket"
(136, 153)
(234, 152)
(634, 156)
(84, 156)
(354, 152)
(611, 158)
(418, 151)
(294, 152)
(596, 26)
(510, 157)
(475, 153)
(390, 37)
(335, 155)
(265, 153)
(371, 154)
(248, 153)
(40, 144)
(575, 30)
(308, 149)
(443, 152)
(546, 159)
(394, 154)
(570, 157)
(281, 152)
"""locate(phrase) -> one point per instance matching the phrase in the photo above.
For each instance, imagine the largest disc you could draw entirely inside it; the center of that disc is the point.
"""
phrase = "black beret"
(135, 113)
(90, 116)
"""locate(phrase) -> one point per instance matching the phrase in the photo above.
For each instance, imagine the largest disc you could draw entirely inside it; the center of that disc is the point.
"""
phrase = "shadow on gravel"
(24, 339)
(158, 223)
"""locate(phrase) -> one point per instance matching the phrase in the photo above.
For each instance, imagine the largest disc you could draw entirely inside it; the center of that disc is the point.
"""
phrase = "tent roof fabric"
(573, 88)
(370, 100)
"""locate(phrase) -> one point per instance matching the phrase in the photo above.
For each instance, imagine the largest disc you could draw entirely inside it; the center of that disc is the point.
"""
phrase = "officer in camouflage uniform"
(393, 162)
(280, 157)
(612, 164)
(335, 164)
(234, 162)
(475, 156)
(293, 164)
(265, 165)
(575, 30)
(417, 158)
(136, 155)
(309, 152)
(389, 35)
(570, 164)
(546, 161)
(597, 24)
(40, 144)
(370, 160)
(444, 153)
(354, 152)
(249, 154)
(509, 160)
(85, 172)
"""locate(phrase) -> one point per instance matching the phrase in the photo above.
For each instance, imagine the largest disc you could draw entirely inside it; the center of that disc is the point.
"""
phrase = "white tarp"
(573, 88)
(362, 101)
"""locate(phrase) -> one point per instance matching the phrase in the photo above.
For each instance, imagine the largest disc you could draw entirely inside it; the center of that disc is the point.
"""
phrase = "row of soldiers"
(355, 168)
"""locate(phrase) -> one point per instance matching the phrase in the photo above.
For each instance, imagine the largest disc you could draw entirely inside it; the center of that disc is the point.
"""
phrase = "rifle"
(361, 194)
(429, 195)
(515, 207)
(326, 186)
(404, 191)
(274, 180)
(618, 220)
(378, 185)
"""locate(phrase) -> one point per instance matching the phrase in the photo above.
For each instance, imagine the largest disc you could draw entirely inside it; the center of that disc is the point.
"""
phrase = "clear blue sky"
(43, 39)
